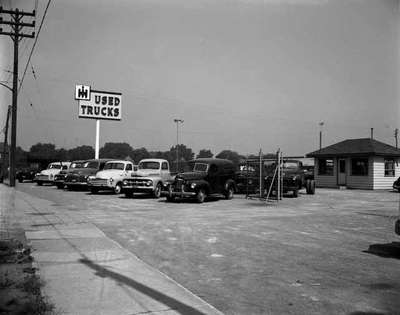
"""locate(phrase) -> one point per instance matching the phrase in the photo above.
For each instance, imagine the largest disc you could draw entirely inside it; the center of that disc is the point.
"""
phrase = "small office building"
(357, 163)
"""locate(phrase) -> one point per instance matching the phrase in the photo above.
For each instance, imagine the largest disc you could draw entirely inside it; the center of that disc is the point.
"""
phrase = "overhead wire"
(34, 44)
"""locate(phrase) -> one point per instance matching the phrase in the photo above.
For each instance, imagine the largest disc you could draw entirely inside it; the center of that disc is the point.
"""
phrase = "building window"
(389, 168)
(359, 166)
(325, 166)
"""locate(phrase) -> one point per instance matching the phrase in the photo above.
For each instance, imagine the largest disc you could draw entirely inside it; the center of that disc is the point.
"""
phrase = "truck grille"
(42, 177)
(138, 182)
(98, 182)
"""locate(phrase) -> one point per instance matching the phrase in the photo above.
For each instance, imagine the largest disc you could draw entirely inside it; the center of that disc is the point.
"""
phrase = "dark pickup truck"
(295, 176)
(207, 177)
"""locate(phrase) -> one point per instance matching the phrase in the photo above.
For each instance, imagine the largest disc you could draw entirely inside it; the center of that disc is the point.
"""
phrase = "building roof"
(357, 147)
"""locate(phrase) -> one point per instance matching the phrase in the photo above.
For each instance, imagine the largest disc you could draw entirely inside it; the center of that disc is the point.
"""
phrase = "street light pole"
(177, 121)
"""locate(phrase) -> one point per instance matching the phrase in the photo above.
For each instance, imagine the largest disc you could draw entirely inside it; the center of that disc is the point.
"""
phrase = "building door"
(342, 172)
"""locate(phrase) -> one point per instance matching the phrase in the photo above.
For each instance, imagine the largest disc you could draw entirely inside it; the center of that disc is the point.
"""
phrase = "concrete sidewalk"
(84, 271)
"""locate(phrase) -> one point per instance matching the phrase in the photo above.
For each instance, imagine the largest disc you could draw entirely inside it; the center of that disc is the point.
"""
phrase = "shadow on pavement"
(389, 250)
(154, 294)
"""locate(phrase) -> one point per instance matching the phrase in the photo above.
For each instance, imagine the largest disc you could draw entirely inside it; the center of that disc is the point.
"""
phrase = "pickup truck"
(111, 177)
(295, 176)
(208, 176)
(150, 177)
(47, 175)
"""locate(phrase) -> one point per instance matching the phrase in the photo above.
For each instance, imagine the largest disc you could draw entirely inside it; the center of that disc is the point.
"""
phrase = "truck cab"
(111, 176)
(149, 178)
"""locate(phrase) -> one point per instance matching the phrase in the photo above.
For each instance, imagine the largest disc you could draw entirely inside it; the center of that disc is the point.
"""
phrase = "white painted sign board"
(101, 105)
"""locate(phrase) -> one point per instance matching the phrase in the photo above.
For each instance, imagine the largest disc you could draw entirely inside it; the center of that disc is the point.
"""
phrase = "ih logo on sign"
(82, 92)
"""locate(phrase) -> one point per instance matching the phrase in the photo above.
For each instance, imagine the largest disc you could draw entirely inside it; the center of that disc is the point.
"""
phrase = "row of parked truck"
(208, 176)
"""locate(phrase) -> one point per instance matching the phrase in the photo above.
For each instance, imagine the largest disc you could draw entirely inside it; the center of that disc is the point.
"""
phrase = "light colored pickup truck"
(111, 177)
(150, 177)
(47, 175)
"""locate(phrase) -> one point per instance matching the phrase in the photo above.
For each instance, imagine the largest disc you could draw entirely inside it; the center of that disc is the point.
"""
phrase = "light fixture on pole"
(177, 121)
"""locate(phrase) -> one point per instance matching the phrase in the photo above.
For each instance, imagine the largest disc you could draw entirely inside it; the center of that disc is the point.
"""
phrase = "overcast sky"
(242, 74)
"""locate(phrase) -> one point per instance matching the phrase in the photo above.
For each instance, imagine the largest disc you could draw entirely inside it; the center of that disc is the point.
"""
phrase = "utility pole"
(5, 143)
(16, 26)
(396, 134)
(177, 121)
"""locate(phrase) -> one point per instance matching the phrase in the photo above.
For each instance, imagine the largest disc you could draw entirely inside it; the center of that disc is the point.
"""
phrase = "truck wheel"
(39, 183)
(94, 190)
(20, 180)
(128, 194)
(295, 193)
(229, 193)
(117, 188)
(157, 191)
(312, 191)
(200, 196)
(60, 186)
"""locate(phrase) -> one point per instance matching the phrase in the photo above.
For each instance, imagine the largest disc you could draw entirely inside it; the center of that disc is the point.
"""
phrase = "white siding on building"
(380, 180)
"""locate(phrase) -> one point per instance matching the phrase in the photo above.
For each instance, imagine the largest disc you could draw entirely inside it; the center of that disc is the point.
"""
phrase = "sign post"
(98, 105)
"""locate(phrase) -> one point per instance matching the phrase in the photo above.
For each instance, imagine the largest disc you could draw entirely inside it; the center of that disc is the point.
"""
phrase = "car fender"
(201, 184)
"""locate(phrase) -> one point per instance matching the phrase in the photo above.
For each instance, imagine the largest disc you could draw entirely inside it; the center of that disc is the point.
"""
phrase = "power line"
(34, 44)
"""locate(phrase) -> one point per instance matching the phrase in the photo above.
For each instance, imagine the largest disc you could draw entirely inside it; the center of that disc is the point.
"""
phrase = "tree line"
(43, 153)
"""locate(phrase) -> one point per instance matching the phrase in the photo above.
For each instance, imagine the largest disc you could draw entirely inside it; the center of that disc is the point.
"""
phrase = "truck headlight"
(125, 182)
(111, 180)
(149, 183)
(51, 176)
(193, 185)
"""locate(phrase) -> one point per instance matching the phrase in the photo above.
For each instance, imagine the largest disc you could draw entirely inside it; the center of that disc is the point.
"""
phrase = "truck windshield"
(149, 165)
(76, 165)
(91, 165)
(292, 165)
(200, 167)
(54, 166)
(114, 166)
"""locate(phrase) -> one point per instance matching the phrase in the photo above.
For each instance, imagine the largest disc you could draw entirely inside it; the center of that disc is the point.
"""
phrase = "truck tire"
(201, 195)
(94, 190)
(60, 186)
(118, 188)
(229, 193)
(39, 183)
(310, 186)
(295, 193)
(157, 191)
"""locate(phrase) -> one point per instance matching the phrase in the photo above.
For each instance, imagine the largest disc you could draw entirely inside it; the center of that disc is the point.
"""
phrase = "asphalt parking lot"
(306, 255)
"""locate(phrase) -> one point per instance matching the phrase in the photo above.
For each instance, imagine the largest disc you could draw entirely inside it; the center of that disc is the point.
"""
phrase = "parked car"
(78, 178)
(294, 177)
(150, 178)
(208, 177)
(28, 173)
(111, 177)
(60, 177)
(47, 175)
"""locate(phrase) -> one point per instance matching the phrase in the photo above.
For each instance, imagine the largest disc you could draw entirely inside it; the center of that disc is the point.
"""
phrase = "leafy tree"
(42, 151)
(139, 154)
(116, 150)
(83, 152)
(230, 155)
(204, 154)
(185, 153)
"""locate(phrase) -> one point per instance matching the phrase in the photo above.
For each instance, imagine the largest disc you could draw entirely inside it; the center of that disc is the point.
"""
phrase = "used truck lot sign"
(100, 105)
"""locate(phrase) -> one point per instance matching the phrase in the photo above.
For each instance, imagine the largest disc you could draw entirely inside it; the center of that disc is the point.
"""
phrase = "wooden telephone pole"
(16, 25)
